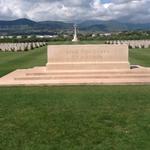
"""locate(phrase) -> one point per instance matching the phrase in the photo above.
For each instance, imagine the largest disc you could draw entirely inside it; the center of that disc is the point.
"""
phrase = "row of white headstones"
(132, 43)
(15, 47)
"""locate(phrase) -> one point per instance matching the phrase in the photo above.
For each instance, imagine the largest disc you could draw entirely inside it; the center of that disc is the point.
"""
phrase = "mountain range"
(26, 26)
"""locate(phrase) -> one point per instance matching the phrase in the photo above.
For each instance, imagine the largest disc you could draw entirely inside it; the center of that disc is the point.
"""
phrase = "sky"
(135, 11)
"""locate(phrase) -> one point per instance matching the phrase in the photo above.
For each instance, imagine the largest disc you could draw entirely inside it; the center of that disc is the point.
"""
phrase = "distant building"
(2, 37)
(105, 34)
(46, 36)
(65, 35)
(7, 37)
(10, 37)
(19, 37)
(29, 36)
(94, 35)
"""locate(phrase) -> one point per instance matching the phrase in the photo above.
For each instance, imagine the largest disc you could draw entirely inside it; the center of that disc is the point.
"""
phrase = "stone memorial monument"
(81, 64)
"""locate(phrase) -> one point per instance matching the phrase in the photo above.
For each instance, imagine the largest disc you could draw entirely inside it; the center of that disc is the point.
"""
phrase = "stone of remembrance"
(79, 65)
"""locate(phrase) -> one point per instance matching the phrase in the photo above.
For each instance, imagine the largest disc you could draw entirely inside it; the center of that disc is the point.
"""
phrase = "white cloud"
(69, 10)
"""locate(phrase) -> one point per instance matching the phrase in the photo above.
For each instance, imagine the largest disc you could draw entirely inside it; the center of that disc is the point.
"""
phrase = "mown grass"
(10, 61)
(140, 57)
(73, 117)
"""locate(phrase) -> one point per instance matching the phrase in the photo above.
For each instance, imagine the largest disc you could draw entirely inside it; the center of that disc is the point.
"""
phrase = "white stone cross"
(75, 38)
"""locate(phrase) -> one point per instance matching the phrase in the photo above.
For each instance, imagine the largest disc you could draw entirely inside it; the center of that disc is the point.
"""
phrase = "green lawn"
(10, 61)
(73, 117)
(140, 57)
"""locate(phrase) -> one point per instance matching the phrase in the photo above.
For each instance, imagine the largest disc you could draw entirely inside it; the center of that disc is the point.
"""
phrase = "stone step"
(88, 73)
(100, 76)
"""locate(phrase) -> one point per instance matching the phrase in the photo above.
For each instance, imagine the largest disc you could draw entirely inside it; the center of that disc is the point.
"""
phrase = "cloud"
(70, 10)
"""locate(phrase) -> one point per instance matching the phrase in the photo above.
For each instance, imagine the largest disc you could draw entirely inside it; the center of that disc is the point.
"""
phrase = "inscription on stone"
(87, 55)
(84, 53)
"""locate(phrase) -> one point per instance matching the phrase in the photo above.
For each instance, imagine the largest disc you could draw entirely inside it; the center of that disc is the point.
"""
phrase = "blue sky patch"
(105, 1)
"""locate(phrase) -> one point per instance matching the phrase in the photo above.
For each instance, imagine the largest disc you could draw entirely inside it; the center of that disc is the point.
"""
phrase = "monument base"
(39, 76)
(81, 65)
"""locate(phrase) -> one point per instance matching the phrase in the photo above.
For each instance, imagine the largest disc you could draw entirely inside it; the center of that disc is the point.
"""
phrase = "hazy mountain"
(109, 25)
(26, 26)
(55, 25)
(93, 27)
(18, 22)
(145, 26)
(113, 25)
